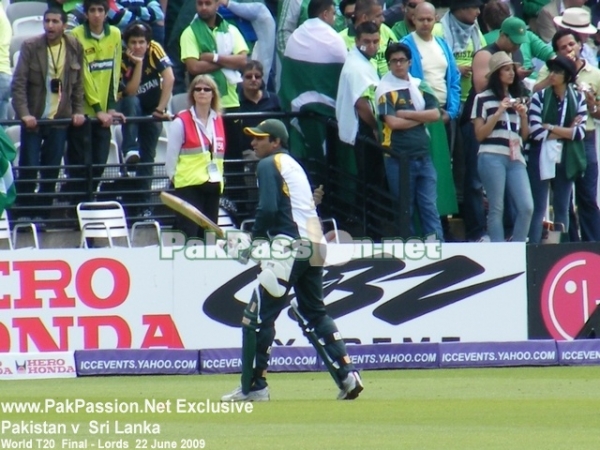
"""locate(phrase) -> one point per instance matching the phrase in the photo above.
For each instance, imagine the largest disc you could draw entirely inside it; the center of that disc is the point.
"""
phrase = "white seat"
(15, 58)
(113, 158)
(19, 10)
(10, 112)
(107, 220)
(117, 135)
(12, 240)
(15, 47)
(225, 221)
(161, 150)
(102, 220)
(28, 26)
(178, 103)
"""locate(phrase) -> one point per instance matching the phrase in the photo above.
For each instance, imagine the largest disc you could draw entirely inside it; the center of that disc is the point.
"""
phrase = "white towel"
(550, 156)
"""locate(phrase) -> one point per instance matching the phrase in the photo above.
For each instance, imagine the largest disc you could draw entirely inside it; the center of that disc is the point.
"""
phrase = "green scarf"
(207, 44)
(400, 29)
(573, 155)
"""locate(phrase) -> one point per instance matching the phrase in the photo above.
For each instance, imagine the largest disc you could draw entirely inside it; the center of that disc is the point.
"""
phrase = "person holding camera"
(499, 118)
(47, 84)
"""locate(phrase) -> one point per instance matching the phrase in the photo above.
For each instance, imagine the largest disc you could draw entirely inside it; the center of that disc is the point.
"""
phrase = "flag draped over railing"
(8, 152)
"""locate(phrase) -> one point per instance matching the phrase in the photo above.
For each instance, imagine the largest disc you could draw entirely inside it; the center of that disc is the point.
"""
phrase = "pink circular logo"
(570, 294)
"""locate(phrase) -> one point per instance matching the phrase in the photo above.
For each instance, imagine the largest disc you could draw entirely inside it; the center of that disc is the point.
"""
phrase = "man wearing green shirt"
(371, 11)
(212, 46)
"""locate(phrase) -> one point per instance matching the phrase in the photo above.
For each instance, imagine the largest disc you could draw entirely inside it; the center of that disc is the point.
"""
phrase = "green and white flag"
(311, 67)
(8, 153)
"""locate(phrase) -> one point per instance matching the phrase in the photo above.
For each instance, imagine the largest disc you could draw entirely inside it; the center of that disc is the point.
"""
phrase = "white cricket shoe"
(262, 395)
(352, 386)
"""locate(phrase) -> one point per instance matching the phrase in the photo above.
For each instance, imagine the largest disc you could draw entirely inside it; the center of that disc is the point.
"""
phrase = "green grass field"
(522, 408)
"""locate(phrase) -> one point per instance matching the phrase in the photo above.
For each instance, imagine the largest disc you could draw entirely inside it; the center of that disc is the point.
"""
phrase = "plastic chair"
(19, 10)
(102, 220)
(178, 103)
(225, 221)
(15, 47)
(12, 240)
(28, 26)
(107, 220)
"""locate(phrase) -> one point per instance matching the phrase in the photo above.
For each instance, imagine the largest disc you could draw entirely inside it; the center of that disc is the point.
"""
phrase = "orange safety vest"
(192, 165)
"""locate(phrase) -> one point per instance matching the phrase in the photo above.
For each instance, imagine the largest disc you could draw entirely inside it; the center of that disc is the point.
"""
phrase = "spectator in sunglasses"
(254, 97)
(195, 153)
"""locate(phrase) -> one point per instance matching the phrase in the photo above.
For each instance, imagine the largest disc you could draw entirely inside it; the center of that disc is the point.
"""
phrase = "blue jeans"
(44, 146)
(474, 212)
(140, 136)
(498, 173)
(4, 94)
(585, 193)
(561, 196)
(423, 192)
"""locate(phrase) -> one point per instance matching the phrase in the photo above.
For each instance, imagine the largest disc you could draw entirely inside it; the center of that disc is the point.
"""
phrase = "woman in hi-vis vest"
(195, 152)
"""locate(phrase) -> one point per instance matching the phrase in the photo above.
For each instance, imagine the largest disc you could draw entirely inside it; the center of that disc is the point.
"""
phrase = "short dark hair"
(137, 29)
(58, 11)
(316, 7)
(253, 64)
(494, 12)
(87, 4)
(396, 47)
(364, 7)
(345, 3)
(561, 34)
(366, 28)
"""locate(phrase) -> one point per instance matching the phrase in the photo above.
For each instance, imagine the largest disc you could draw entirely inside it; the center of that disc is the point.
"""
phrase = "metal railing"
(361, 207)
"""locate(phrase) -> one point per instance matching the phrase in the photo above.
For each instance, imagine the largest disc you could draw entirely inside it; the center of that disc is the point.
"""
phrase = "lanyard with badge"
(214, 175)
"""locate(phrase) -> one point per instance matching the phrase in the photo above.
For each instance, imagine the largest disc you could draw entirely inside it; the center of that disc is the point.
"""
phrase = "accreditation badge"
(214, 175)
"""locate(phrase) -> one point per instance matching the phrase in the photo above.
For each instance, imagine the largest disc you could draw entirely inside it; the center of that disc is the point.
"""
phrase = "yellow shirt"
(56, 64)
(191, 49)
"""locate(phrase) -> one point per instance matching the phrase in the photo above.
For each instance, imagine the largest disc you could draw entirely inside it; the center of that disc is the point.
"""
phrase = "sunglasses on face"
(250, 76)
(202, 89)
(412, 5)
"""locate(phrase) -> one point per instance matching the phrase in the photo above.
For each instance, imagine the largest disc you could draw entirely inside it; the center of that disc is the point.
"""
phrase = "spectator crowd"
(493, 105)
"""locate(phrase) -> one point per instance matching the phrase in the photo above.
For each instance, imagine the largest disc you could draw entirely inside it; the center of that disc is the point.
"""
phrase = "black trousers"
(205, 197)
(87, 144)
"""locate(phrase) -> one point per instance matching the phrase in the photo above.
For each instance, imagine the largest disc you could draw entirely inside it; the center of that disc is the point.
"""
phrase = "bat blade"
(191, 212)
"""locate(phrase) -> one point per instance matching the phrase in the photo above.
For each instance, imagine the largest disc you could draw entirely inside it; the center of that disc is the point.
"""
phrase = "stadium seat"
(179, 102)
(107, 220)
(15, 47)
(19, 10)
(5, 233)
(28, 26)
(225, 221)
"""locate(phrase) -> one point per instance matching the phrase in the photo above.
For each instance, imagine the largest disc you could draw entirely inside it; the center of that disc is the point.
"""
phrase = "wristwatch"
(551, 128)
